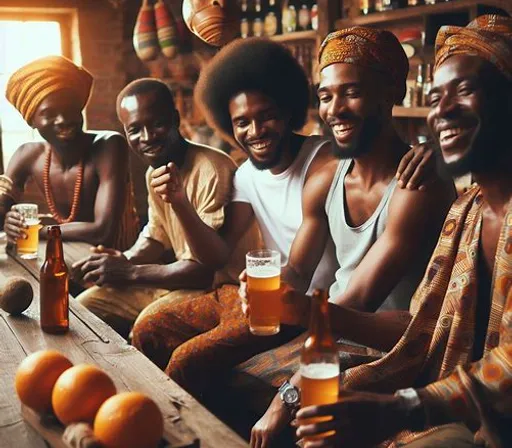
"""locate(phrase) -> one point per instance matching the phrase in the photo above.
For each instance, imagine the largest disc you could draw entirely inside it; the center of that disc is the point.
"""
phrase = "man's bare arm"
(145, 251)
(112, 167)
(309, 242)
(415, 219)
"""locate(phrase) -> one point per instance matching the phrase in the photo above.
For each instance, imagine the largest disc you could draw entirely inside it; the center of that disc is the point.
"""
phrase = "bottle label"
(244, 28)
(304, 18)
(314, 17)
(257, 28)
(270, 24)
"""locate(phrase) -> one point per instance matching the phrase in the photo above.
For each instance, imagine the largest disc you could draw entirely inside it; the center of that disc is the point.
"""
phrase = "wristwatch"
(414, 410)
(290, 396)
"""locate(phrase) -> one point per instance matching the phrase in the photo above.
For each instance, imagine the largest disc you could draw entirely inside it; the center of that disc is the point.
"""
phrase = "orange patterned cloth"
(441, 334)
(32, 83)
(488, 36)
(378, 50)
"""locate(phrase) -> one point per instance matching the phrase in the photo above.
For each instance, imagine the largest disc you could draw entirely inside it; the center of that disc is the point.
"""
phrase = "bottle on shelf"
(417, 99)
(54, 286)
(289, 19)
(314, 16)
(245, 20)
(378, 6)
(366, 6)
(414, 2)
(430, 2)
(257, 24)
(272, 19)
(427, 85)
(319, 361)
(304, 16)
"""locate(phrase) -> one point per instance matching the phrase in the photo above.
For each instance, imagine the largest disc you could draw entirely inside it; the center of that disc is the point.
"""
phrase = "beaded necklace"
(48, 191)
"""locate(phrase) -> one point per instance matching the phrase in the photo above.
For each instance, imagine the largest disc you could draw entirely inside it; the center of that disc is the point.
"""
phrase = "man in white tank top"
(383, 235)
(256, 94)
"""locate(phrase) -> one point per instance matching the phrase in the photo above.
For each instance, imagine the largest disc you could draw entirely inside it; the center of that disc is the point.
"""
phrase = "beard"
(274, 160)
(362, 144)
(486, 150)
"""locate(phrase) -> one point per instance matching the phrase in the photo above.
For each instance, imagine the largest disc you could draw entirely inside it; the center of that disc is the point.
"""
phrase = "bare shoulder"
(323, 156)
(25, 157)
(108, 145)
(319, 183)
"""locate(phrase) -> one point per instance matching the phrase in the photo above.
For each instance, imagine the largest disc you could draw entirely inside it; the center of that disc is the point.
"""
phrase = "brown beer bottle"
(319, 365)
(53, 280)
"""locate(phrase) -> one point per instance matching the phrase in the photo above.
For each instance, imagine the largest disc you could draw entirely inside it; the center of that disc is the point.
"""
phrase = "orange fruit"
(79, 392)
(129, 420)
(36, 376)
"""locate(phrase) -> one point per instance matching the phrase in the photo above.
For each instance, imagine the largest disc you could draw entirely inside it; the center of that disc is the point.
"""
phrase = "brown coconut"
(16, 295)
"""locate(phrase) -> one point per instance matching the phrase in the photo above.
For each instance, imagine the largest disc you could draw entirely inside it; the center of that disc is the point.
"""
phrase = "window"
(22, 41)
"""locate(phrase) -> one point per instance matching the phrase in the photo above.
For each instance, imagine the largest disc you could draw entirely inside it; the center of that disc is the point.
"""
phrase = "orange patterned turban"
(33, 82)
(376, 49)
(489, 37)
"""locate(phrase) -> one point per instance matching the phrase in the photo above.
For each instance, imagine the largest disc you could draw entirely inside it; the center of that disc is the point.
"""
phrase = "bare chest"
(361, 203)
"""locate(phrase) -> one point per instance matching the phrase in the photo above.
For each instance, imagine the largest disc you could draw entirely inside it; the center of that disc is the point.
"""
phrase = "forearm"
(380, 331)
(293, 278)
(145, 251)
(182, 274)
(205, 242)
(90, 232)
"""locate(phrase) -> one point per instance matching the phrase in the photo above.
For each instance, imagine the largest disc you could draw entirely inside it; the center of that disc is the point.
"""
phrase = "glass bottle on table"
(54, 286)
(319, 363)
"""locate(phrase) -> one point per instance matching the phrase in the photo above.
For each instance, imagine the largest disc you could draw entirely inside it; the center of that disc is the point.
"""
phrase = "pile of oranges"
(46, 381)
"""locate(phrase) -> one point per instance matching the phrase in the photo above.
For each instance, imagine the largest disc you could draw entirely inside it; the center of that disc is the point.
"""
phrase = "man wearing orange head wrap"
(83, 176)
(383, 235)
(448, 380)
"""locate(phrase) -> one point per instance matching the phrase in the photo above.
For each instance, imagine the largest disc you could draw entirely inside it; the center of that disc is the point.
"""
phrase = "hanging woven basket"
(145, 40)
(166, 30)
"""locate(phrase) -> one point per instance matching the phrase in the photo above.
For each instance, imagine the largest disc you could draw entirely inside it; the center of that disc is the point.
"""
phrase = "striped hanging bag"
(166, 30)
(145, 40)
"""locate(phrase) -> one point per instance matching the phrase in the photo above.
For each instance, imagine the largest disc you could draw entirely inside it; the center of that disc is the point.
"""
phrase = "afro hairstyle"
(145, 85)
(253, 64)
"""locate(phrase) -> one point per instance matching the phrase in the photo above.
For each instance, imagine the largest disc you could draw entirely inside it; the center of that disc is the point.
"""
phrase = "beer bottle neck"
(320, 326)
(54, 249)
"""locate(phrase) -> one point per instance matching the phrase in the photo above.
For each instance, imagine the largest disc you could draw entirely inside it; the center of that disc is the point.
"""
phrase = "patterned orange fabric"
(378, 50)
(32, 83)
(196, 339)
(440, 336)
(488, 36)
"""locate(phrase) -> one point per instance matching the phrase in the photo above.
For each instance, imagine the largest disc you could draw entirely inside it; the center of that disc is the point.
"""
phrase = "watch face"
(291, 396)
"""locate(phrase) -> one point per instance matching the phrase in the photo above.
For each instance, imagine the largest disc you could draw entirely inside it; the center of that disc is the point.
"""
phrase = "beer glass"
(27, 247)
(263, 283)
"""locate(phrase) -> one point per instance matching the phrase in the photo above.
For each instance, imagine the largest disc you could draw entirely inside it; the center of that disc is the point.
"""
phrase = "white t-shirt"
(276, 200)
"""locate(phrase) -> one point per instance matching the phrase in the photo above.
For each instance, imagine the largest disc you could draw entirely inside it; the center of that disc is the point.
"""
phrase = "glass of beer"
(263, 283)
(27, 247)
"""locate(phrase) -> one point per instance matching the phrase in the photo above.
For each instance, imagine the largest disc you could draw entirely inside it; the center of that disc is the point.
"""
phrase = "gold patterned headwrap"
(488, 36)
(375, 49)
(32, 83)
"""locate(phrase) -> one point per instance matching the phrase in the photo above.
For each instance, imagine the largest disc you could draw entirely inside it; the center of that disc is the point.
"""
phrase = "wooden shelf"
(297, 35)
(410, 112)
(416, 12)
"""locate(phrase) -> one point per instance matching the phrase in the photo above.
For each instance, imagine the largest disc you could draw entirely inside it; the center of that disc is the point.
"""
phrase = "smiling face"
(260, 128)
(58, 118)
(351, 105)
(467, 114)
(152, 128)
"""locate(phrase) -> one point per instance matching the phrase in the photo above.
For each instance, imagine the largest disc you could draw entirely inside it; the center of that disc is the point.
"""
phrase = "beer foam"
(320, 371)
(31, 222)
(263, 271)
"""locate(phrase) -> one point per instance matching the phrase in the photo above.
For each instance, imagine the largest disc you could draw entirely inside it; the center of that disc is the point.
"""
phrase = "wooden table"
(92, 341)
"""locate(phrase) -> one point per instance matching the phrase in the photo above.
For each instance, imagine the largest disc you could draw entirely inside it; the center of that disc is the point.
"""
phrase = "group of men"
(332, 209)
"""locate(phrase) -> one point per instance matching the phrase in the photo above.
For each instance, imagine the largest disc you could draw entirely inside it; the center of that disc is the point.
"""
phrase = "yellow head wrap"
(375, 49)
(33, 82)
(488, 36)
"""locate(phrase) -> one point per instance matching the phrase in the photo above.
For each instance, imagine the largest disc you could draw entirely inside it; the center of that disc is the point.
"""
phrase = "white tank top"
(352, 243)
(277, 203)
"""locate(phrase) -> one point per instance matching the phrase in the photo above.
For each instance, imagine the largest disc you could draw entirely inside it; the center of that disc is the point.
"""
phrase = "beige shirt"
(207, 179)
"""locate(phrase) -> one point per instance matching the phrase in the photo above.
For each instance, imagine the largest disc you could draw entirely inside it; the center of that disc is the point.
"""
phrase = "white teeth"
(449, 133)
(342, 127)
(261, 145)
